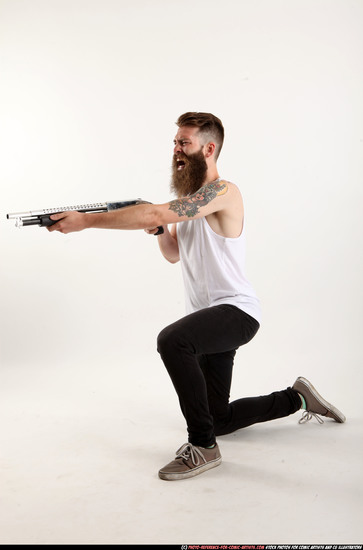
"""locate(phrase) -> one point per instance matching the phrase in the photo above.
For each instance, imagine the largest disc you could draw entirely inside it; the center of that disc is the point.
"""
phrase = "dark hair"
(208, 124)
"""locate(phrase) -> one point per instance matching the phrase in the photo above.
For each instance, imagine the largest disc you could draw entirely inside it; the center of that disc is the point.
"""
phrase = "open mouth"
(180, 164)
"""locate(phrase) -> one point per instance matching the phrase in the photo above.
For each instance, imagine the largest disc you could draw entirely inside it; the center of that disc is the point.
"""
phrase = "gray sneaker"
(190, 461)
(315, 404)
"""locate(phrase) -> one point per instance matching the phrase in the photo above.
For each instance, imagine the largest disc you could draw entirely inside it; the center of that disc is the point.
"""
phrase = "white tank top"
(213, 269)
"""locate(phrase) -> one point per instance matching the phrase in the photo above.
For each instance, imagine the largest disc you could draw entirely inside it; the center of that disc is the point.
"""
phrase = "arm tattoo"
(189, 206)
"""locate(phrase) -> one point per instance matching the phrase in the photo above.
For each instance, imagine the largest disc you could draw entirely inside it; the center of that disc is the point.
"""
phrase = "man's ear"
(209, 149)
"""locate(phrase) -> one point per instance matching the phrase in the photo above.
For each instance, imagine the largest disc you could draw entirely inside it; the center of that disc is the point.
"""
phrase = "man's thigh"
(213, 330)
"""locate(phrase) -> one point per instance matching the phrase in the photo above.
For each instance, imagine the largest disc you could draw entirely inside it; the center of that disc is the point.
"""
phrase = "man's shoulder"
(230, 189)
(220, 186)
(227, 220)
(224, 181)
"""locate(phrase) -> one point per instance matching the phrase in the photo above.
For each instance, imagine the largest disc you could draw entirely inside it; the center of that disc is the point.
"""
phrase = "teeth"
(180, 163)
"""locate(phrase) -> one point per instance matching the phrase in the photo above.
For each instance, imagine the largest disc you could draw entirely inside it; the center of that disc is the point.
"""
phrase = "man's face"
(189, 166)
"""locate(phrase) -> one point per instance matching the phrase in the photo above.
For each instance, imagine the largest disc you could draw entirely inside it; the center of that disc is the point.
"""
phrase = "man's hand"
(154, 230)
(69, 222)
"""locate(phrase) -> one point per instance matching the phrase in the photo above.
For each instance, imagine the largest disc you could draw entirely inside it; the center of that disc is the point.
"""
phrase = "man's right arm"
(168, 243)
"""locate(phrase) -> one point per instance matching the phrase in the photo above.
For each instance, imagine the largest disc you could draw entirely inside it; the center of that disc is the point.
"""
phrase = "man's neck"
(212, 175)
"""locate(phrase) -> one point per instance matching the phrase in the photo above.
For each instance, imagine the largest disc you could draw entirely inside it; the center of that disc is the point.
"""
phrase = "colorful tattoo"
(189, 206)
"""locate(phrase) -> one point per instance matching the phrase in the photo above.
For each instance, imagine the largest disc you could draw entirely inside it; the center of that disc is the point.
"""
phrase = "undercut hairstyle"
(210, 127)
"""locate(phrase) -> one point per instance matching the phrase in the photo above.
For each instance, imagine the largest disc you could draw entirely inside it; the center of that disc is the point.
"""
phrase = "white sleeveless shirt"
(213, 269)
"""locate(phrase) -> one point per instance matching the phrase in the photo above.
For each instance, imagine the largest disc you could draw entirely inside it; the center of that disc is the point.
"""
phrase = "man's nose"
(177, 148)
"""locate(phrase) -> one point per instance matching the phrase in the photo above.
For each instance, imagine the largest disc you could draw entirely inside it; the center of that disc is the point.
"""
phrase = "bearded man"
(207, 235)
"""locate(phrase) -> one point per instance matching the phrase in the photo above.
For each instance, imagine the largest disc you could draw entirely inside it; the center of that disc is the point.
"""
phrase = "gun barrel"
(42, 217)
(99, 206)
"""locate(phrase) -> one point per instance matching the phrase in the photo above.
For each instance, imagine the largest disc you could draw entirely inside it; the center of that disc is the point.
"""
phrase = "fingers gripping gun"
(42, 217)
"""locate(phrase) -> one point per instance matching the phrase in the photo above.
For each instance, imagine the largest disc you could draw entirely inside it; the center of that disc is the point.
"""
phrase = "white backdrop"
(89, 95)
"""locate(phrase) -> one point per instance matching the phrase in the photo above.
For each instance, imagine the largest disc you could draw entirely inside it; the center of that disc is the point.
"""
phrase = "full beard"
(190, 178)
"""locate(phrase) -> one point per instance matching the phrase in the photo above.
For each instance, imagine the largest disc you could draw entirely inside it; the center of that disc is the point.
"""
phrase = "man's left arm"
(210, 198)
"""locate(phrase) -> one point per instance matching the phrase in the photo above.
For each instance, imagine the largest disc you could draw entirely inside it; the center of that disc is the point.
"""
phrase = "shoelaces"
(308, 415)
(187, 451)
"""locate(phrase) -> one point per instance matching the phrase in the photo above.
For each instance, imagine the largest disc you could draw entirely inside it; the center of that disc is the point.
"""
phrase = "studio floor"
(80, 456)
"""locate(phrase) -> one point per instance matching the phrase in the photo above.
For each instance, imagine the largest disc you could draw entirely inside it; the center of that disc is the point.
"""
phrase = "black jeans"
(198, 352)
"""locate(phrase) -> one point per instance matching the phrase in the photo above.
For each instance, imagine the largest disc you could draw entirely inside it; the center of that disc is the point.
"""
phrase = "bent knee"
(171, 339)
(162, 340)
(222, 423)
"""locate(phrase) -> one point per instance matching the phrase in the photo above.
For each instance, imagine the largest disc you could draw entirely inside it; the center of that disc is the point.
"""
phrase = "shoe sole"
(170, 476)
(337, 415)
